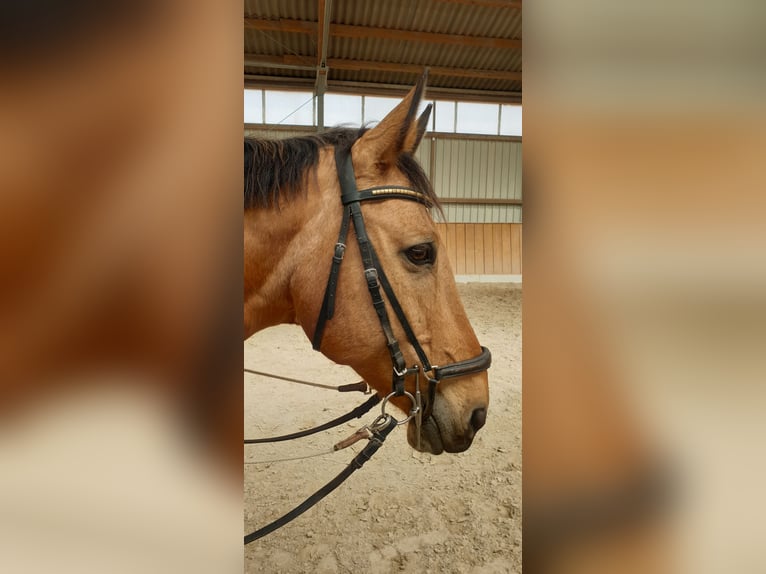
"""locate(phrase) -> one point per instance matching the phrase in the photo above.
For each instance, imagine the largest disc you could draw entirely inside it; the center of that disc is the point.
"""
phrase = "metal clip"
(379, 423)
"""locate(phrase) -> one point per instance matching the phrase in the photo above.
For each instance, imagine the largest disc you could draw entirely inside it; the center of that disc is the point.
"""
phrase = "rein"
(362, 409)
(379, 430)
(361, 386)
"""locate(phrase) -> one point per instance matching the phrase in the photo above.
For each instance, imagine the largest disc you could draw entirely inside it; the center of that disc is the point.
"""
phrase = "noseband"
(375, 277)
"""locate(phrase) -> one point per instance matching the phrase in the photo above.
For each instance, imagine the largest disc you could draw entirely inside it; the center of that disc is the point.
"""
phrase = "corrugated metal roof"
(480, 69)
(287, 75)
(430, 16)
(275, 9)
(280, 43)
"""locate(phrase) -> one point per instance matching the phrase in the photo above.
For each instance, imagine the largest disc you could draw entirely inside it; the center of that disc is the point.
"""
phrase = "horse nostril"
(478, 418)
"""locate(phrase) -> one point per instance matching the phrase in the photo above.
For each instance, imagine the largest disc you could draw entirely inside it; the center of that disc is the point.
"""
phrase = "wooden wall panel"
(497, 240)
(459, 249)
(482, 248)
(470, 267)
(506, 239)
(516, 250)
(489, 245)
(478, 249)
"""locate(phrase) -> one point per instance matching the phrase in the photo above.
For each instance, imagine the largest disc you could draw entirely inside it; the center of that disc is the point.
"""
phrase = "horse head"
(408, 252)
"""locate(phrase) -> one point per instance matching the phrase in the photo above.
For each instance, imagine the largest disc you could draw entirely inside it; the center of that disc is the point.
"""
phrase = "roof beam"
(280, 62)
(281, 25)
(300, 63)
(356, 65)
(348, 31)
(514, 4)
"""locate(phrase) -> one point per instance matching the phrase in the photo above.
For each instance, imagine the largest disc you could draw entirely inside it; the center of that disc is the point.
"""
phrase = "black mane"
(278, 169)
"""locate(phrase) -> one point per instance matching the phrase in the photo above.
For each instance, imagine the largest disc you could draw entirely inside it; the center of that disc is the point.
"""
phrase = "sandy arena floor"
(404, 511)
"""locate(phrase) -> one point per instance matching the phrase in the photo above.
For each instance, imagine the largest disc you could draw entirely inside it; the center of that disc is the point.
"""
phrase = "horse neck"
(268, 234)
(275, 244)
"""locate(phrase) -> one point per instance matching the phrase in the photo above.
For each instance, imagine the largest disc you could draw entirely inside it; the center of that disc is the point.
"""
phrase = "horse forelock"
(277, 170)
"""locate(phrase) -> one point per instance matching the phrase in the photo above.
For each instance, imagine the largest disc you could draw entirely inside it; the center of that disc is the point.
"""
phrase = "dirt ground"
(404, 511)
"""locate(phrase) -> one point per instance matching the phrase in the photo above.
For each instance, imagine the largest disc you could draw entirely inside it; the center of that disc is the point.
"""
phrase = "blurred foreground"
(645, 286)
(120, 304)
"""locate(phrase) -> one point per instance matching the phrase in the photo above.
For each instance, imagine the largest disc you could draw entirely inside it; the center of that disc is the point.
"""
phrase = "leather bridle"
(376, 278)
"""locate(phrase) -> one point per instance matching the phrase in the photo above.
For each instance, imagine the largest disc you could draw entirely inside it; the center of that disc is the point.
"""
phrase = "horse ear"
(398, 131)
(412, 141)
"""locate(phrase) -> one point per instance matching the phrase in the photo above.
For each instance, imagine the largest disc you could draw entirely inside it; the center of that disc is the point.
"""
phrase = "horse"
(298, 193)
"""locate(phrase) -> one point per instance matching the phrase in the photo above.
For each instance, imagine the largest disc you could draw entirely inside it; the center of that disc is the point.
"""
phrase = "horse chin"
(430, 437)
(433, 441)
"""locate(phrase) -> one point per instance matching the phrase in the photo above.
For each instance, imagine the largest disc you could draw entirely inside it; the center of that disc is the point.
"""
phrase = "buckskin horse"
(339, 239)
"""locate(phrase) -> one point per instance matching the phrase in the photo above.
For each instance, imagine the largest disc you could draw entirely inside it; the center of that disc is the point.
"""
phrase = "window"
(300, 108)
(375, 108)
(296, 108)
(253, 106)
(477, 118)
(444, 117)
(342, 109)
(510, 120)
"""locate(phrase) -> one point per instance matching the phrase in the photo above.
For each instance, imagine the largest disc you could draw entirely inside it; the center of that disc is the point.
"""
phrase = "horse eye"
(421, 254)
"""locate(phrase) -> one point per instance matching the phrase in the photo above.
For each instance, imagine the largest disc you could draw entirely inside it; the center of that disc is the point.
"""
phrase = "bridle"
(351, 199)
(375, 277)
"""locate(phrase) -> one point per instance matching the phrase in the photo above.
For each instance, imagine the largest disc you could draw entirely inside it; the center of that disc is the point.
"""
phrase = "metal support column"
(324, 9)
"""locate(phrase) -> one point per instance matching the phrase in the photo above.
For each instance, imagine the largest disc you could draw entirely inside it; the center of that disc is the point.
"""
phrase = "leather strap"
(463, 368)
(354, 414)
(378, 436)
(393, 192)
(372, 271)
(471, 366)
(328, 303)
(399, 312)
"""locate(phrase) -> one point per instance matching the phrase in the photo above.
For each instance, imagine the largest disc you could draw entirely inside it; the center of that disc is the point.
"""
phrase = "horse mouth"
(430, 437)
(433, 441)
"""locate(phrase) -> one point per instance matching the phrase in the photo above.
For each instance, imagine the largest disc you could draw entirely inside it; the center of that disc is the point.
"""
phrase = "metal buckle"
(371, 275)
(340, 251)
(414, 370)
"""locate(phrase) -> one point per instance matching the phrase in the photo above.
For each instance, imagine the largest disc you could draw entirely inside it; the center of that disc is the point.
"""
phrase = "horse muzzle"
(433, 441)
(436, 437)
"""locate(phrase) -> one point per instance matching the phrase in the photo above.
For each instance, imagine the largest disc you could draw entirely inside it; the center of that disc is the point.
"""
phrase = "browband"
(390, 192)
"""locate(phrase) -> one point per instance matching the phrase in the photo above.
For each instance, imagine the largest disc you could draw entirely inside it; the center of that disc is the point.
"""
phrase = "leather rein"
(351, 199)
